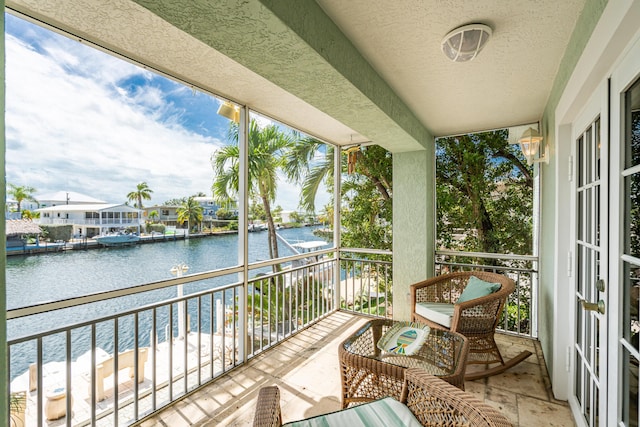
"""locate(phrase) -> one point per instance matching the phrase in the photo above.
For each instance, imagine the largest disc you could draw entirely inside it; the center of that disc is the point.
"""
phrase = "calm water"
(57, 276)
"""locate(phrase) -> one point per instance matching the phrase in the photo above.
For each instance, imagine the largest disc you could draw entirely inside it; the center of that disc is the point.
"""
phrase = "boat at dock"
(117, 239)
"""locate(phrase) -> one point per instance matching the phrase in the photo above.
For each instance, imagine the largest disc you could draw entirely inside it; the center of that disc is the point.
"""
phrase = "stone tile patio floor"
(305, 368)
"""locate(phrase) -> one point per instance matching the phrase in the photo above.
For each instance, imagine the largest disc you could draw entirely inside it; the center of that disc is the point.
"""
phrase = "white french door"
(624, 346)
(606, 245)
(589, 344)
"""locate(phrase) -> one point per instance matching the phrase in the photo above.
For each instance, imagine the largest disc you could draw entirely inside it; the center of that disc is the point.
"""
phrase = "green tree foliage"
(633, 202)
(20, 193)
(366, 193)
(367, 201)
(268, 147)
(27, 214)
(191, 212)
(142, 192)
(257, 211)
(484, 194)
(222, 213)
(175, 202)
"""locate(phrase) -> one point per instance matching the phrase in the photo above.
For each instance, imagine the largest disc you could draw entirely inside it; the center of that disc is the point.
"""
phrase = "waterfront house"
(167, 214)
(90, 220)
(352, 72)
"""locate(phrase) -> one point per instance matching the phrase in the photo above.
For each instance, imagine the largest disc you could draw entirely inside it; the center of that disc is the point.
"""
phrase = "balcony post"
(243, 233)
(337, 180)
(413, 223)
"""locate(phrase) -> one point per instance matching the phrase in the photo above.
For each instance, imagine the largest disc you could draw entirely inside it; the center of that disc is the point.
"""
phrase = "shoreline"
(88, 243)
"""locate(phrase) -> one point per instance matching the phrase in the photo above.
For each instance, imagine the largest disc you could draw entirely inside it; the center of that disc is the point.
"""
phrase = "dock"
(197, 348)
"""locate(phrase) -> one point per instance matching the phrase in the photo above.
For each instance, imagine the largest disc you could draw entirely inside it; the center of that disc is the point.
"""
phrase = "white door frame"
(609, 41)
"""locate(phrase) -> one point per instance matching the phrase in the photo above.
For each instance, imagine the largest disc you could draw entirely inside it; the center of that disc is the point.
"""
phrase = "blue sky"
(80, 120)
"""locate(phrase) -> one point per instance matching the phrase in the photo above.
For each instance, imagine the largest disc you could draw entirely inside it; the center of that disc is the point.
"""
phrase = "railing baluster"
(68, 389)
(116, 350)
(170, 345)
(154, 357)
(39, 392)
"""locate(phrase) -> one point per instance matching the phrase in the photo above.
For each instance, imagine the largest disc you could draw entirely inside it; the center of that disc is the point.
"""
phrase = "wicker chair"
(432, 401)
(476, 319)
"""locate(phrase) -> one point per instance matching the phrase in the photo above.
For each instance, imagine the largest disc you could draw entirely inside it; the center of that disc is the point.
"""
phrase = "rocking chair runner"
(476, 318)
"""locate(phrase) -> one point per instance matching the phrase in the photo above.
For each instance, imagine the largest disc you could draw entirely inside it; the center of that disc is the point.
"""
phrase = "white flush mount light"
(464, 43)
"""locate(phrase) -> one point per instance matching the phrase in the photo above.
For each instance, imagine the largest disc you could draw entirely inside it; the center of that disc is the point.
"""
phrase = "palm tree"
(267, 154)
(20, 193)
(30, 215)
(153, 215)
(142, 192)
(190, 212)
(300, 167)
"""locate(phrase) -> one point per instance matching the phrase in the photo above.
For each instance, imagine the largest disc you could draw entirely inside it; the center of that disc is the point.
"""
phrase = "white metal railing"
(366, 281)
(520, 310)
(169, 347)
(173, 346)
(176, 345)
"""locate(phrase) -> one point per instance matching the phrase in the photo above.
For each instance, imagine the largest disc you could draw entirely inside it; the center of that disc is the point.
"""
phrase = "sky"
(80, 120)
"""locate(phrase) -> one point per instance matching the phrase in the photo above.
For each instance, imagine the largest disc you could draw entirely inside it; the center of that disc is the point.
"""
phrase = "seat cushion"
(438, 312)
(477, 288)
(379, 413)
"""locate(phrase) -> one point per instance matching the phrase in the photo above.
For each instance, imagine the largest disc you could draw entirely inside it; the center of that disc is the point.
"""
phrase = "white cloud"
(70, 128)
(80, 120)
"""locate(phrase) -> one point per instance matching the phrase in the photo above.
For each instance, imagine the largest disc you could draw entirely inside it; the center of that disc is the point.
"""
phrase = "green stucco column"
(413, 224)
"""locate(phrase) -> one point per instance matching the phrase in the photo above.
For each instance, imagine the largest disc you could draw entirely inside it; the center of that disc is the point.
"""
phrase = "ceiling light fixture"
(464, 43)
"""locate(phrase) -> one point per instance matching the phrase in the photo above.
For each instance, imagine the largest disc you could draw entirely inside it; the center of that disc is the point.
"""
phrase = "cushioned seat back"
(379, 413)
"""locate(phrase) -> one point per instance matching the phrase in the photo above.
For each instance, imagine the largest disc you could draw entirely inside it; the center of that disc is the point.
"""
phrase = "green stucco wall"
(290, 42)
(413, 224)
(584, 27)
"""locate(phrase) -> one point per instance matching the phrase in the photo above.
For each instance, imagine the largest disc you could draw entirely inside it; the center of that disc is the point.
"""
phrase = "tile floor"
(305, 368)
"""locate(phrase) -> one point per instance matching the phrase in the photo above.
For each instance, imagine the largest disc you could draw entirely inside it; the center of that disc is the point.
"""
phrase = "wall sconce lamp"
(229, 111)
(530, 143)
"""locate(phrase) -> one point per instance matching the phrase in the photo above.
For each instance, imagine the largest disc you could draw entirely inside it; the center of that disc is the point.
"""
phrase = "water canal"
(48, 277)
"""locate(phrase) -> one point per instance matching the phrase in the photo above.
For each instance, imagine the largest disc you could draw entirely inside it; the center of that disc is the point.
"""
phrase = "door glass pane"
(597, 147)
(631, 329)
(596, 349)
(588, 161)
(580, 166)
(630, 389)
(588, 213)
(597, 214)
(632, 215)
(580, 220)
(632, 120)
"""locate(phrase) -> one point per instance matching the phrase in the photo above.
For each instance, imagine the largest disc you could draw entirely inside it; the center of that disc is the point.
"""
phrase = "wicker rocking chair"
(435, 302)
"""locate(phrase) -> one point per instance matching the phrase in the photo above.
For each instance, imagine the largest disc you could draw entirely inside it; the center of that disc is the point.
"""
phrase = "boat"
(119, 238)
(257, 227)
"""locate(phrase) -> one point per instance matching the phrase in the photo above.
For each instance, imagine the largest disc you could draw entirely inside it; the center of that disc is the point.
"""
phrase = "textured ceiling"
(507, 84)
(345, 71)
